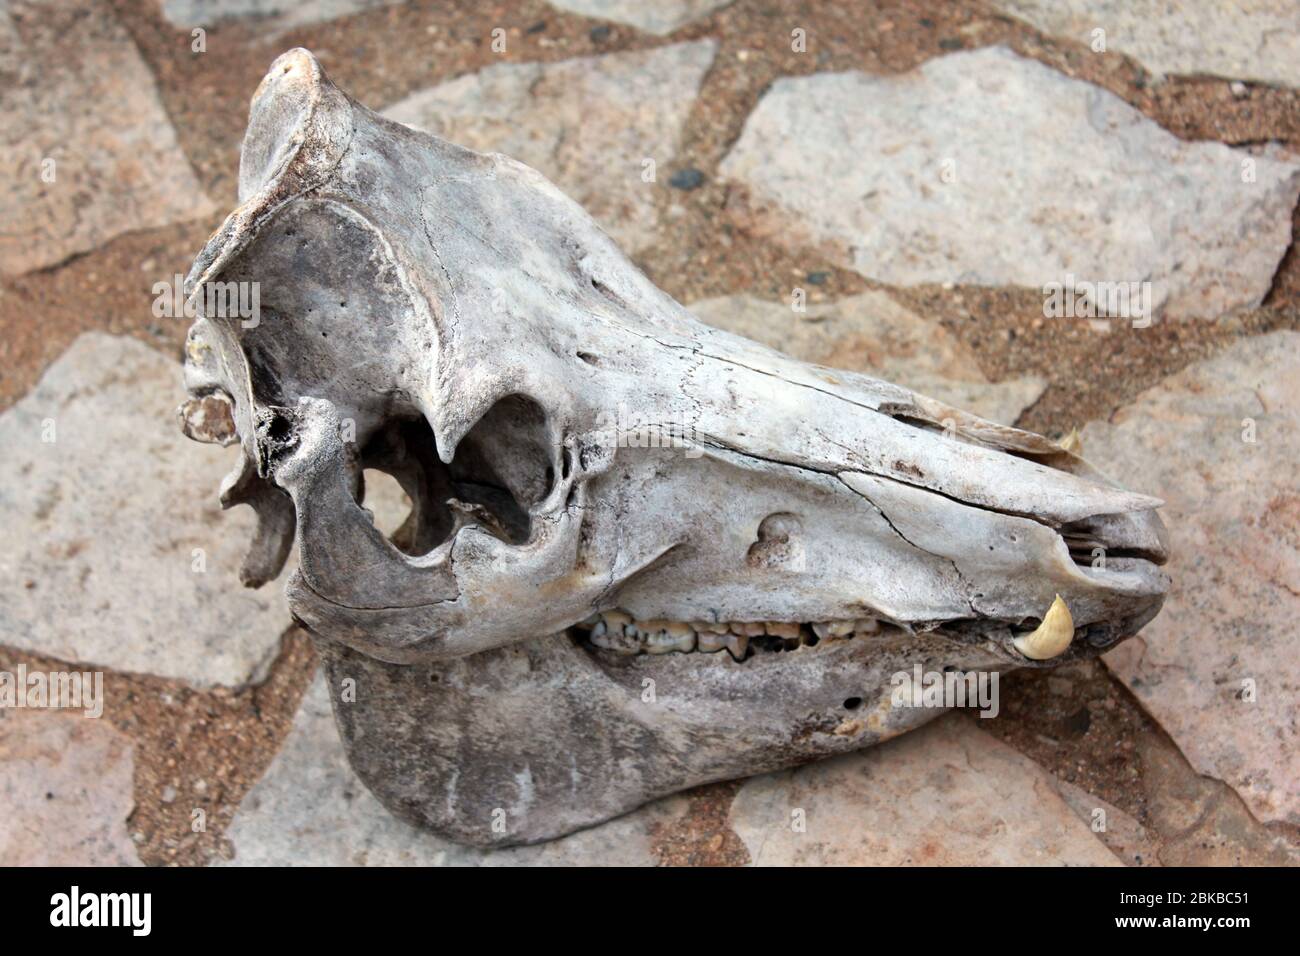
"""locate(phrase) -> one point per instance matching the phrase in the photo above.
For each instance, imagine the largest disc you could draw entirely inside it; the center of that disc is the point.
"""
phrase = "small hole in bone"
(279, 428)
(588, 358)
(852, 703)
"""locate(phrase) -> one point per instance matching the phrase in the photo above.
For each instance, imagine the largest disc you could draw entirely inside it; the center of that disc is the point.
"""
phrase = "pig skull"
(642, 554)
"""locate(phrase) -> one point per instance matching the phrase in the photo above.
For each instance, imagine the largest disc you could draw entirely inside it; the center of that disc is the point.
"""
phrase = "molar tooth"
(748, 628)
(669, 636)
(709, 641)
(738, 646)
(1051, 637)
(616, 632)
(616, 620)
(825, 629)
(709, 627)
(615, 641)
(866, 625)
(782, 629)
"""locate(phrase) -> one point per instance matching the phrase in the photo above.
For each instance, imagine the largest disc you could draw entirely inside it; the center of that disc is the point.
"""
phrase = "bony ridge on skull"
(574, 620)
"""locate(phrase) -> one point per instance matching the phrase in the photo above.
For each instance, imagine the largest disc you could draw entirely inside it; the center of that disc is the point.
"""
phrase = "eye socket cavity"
(501, 472)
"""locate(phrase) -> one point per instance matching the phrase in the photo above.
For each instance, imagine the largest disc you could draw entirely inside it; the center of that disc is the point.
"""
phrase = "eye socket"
(501, 470)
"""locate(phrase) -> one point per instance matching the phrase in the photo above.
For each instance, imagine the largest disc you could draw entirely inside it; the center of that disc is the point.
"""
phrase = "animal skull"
(597, 479)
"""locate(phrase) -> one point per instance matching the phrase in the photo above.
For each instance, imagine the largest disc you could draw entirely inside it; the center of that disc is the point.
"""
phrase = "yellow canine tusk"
(1052, 637)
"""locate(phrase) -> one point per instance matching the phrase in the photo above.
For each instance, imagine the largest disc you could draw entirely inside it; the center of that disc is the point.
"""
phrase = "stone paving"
(1048, 177)
(590, 124)
(798, 195)
(1246, 40)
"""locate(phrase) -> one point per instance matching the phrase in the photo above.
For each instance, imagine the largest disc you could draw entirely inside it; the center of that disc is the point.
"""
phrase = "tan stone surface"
(587, 124)
(65, 790)
(1201, 821)
(1228, 629)
(653, 16)
(77, 94)
(987, 168)
(118, 552)
(947, 794)
(1245, 39)
(1128, 839)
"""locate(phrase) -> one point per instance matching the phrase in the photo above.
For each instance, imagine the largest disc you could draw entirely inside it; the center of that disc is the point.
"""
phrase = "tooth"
(614, 641)
(748, 628)
(666, 636)
(709, 641)
(825, 629)
(783, 629)
(617, 633)
(866, 625)
(589, 623)
(209, 419)
(679, 630)
(1050, 638)
(738, 646)
(616, 620)
(1073, 442)
(709, 627)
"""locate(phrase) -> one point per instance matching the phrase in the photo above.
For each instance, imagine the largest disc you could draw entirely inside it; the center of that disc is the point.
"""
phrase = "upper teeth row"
(619, 632)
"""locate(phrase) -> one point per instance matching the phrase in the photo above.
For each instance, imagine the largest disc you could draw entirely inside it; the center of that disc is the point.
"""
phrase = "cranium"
(643, 554)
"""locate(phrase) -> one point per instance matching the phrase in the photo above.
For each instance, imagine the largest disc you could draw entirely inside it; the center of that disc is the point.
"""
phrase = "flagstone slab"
(1219, 667)
(1255, 40)
(66, 791)
(1128, 839)
(117, 551)
(283, 13)
(88, 151)
(660, 17)
(947, 794)
(598, 127)
(987, 168)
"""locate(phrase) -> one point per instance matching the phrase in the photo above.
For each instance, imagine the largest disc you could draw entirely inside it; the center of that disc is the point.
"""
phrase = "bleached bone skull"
(643, 554)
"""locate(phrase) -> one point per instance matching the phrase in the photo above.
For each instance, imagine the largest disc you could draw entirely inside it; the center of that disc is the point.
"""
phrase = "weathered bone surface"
(643, 554)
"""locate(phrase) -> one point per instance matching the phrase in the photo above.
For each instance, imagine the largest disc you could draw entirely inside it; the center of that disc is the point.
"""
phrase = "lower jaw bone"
(506, 751)
(509, 730)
